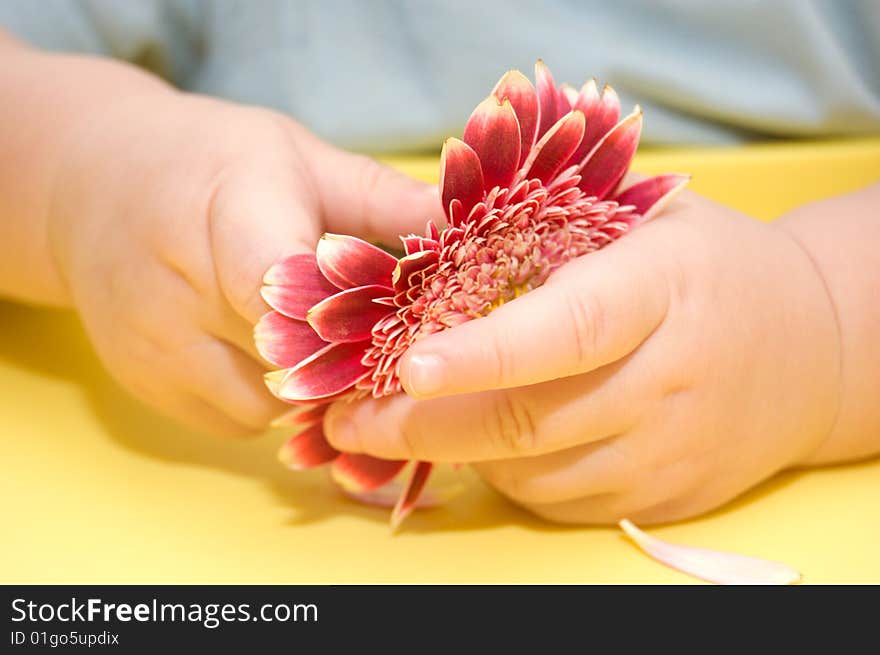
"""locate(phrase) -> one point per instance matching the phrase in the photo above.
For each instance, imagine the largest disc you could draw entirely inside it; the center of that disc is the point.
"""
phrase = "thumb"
(362, 197)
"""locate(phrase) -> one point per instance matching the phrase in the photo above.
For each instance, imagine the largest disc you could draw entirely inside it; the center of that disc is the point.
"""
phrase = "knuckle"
(510, 425)
(587, 321)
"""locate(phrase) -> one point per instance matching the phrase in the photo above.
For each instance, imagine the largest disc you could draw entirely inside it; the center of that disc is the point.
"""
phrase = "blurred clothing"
(399, 75)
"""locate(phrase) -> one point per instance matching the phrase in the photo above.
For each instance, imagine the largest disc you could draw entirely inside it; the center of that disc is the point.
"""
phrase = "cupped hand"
(168, 210)
(655, 379)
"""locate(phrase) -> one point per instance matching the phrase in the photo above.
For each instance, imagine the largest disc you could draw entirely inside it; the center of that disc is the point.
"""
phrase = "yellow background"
(95, 488)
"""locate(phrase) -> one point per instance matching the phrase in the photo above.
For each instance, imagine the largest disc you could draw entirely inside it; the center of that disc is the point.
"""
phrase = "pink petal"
(329, 371)
(516, 87)
(284, 341)
(651, 195)
(408, 499)
(493, 132)
(601, 114)
(273, 380)
(294, 284)
(547, 98)
(307, 449)
(710, 565)
(349, 315)
(555, 147)
(569, 96)
(357, 473)
(461, 176)
(308, 415)
(610, 159)
(351, 262)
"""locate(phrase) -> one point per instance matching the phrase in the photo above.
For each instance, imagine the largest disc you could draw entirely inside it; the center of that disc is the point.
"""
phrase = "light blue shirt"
(403, 75)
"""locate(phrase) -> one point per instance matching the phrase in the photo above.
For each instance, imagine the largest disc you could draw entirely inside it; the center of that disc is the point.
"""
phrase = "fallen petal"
(461, 176)
(294, 284)
(349, 315)
(357, 473)
(515, 86)
(329, 371)
(710, 565)
(284, 341)
(307, 449)
(493, 133)
(651, 195)
(351, 262)
(408, 499)
(604, 167)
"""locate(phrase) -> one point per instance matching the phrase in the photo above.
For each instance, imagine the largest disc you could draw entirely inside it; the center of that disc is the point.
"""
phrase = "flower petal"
(294, 284)
(307, 449)
(410, 496)
(273, 380)
(547, 98)
(710, 565)
(461, 176)
(610, 159)
(349, 315)
(651, 195)
(284, 341)
(517, 88)
(601, 114)
(329, 371)
(493, 132)
(357, 473)
(555, 147)
(351, 262)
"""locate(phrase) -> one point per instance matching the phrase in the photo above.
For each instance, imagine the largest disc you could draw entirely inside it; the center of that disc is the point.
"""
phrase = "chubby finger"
(587, 470)
(258, 215)
(591, 312)
(363, 197)
(492, 425)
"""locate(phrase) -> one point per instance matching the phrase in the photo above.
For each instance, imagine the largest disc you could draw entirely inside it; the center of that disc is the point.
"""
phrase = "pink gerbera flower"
(532, 184)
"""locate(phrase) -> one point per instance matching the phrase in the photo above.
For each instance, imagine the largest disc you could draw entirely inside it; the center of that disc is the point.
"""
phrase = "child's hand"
(655, 379)
(168, 209)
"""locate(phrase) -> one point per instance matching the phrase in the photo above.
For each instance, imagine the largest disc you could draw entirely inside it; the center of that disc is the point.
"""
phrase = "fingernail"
(426, 376)
(340, 431)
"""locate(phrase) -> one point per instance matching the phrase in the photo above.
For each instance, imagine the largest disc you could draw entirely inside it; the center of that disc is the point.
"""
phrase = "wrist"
(837, 235)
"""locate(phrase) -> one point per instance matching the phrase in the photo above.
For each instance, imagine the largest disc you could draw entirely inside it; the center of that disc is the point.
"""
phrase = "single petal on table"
(710, 565)
(349, 315)
(284, 341)
(351, 262)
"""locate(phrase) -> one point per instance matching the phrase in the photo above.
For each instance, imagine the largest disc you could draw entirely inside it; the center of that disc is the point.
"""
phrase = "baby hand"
(655, 379)
(168, 210)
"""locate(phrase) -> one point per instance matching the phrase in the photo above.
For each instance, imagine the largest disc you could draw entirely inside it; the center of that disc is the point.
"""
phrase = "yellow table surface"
(96, 488)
